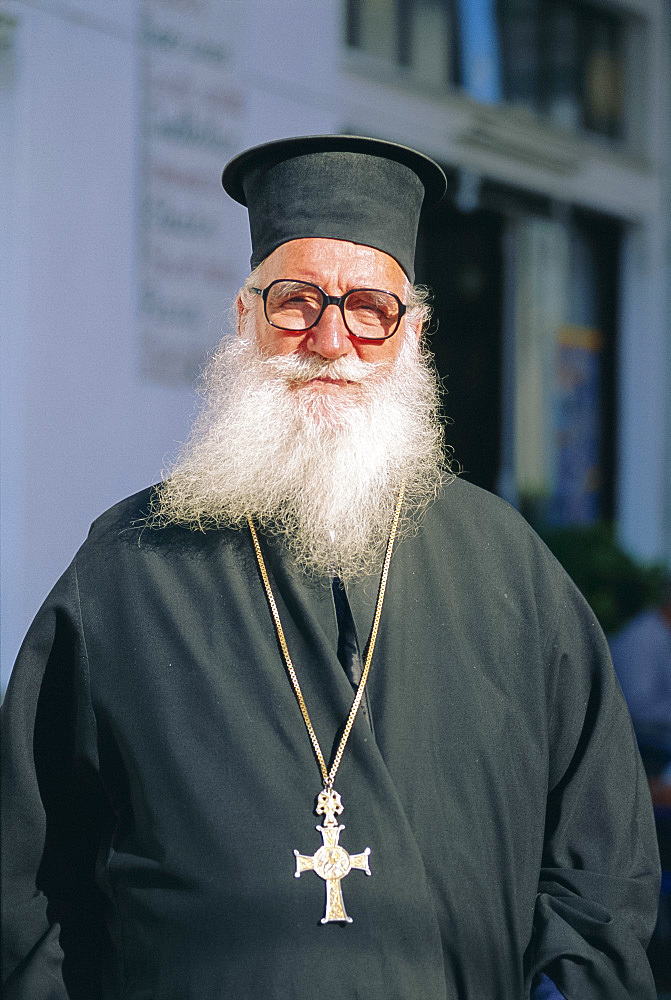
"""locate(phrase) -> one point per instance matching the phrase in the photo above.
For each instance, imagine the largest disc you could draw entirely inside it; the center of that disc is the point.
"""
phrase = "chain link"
(328, 776)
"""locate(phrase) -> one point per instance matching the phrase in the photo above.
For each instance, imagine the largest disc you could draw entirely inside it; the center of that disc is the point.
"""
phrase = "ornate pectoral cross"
(331, 862)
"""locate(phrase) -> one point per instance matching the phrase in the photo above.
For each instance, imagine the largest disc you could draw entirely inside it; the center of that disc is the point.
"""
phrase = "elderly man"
(311, 623)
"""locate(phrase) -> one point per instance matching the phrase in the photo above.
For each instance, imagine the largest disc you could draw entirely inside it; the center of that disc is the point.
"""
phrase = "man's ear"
(415, 329)
(242, 309)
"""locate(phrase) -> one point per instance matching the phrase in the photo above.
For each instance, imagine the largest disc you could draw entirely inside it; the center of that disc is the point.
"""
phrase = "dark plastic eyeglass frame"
(329, 300)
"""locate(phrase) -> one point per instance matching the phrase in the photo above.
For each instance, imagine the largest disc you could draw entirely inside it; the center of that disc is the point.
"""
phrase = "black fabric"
(158, 777)
(349, 652)
(341, 187)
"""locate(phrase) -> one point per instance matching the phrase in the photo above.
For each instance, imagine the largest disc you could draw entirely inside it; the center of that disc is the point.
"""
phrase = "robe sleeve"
(599, 880)
(51, 919)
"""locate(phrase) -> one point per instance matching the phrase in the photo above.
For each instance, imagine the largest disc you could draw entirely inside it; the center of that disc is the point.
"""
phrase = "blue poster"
(577, 427)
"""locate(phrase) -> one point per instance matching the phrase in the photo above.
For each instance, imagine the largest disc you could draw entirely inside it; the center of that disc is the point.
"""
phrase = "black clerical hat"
(343, 187)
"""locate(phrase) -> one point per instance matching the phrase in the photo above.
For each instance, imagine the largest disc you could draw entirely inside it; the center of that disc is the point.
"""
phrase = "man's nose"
(329, 338)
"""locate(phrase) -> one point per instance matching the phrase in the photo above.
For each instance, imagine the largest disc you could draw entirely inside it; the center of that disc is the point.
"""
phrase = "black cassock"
(160, 777)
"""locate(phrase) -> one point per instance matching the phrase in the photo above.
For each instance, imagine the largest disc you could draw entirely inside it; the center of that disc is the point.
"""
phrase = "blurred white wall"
(80, 429)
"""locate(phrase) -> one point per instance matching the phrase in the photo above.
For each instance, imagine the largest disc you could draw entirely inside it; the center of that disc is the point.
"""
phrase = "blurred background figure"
(642, 657)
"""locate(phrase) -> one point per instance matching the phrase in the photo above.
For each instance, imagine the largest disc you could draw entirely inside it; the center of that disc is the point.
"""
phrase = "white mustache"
(303, 368)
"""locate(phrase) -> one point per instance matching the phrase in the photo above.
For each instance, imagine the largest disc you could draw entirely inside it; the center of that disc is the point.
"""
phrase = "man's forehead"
(319, 257)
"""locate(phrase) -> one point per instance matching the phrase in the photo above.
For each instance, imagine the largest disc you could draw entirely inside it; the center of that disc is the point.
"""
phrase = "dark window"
(460, 255)
(561, 59)
(415, 34)
(565, 60)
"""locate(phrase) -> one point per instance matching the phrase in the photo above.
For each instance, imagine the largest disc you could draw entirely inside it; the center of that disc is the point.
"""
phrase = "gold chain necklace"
(331, 862)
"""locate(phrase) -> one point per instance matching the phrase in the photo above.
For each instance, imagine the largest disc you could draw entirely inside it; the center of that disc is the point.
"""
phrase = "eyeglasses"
(296, 306)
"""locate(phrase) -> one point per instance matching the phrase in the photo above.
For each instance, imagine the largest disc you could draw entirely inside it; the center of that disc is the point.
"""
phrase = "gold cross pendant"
(331, 862)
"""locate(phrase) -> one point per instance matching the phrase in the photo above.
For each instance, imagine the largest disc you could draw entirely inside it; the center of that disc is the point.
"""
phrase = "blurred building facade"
(550, 259)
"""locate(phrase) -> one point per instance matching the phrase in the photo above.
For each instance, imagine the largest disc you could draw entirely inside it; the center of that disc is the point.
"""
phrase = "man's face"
(336, 266)
(313, 431)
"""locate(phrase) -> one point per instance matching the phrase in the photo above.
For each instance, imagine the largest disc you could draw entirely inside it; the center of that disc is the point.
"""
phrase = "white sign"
(189, 234)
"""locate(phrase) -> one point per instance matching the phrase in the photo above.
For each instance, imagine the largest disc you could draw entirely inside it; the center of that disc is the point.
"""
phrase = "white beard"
(321, 467)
